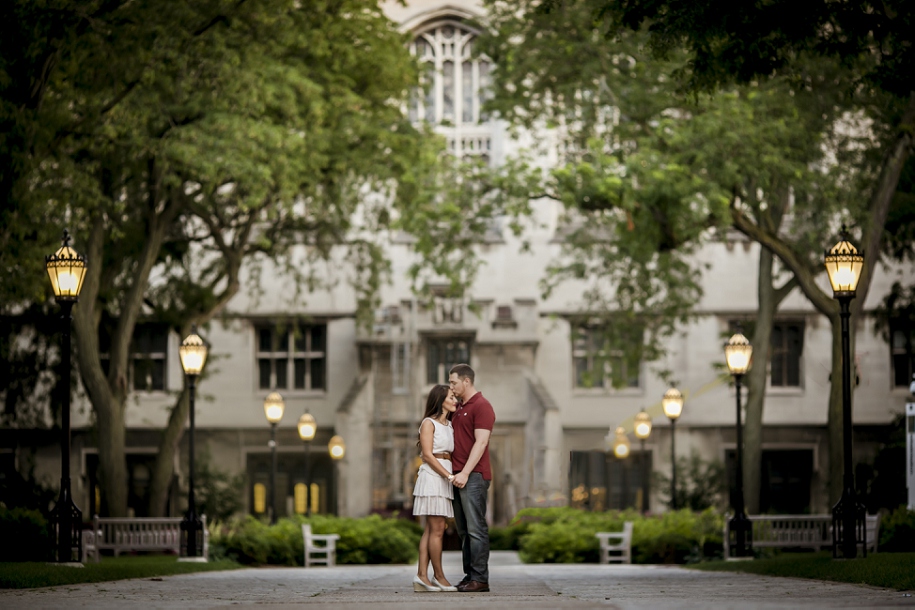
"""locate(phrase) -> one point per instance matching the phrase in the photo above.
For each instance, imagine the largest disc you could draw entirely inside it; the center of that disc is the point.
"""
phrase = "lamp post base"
(740, 537)
(67, 523)
(191, 538)
(192, 559)
(849, 529)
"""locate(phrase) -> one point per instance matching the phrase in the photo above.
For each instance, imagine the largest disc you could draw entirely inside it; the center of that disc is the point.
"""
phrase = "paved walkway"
(515, 585)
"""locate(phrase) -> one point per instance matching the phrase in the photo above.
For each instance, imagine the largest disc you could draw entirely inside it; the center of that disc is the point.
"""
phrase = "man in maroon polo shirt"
(472, 424)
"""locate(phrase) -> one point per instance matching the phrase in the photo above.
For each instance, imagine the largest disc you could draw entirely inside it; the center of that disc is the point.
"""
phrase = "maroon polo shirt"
(475, 414)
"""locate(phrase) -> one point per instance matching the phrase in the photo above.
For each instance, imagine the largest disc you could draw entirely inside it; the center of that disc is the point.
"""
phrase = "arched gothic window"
(453, 78)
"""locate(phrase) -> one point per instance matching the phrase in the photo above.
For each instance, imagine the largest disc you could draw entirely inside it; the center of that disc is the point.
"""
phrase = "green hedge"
(540, 535)
(367, 540)
(897, 531)
(566, 535)
(25, 535)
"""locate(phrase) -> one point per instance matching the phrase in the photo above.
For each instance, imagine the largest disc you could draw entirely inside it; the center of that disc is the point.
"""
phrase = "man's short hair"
(463, 371)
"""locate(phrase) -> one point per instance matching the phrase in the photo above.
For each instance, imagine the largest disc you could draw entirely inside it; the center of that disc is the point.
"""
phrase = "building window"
(598, 364)
(292, 357)
(442, 354)
(453, 78)
(400, 368)
(148, 355)
(454, 85)
(787, 347)
(902, 355)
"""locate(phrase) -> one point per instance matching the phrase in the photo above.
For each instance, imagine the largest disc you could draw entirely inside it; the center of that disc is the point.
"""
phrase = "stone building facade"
(549, 446)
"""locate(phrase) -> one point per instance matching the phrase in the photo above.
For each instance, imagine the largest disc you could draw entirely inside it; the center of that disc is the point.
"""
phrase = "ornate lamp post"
(273, 409)
(193, 354)
(672, 403)
(621, 450)
(642, 430)
(843, 264)
(621, 444)
(738, 352)
(307, 429)
(336, 447)
(67, 269)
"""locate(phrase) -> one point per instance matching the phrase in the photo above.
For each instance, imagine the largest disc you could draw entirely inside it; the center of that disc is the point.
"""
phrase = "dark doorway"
(292, 495)
(599, 481)
(785, 478)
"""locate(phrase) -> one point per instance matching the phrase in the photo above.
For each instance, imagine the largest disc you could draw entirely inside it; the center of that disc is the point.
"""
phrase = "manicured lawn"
(26, 575)
(890, 570)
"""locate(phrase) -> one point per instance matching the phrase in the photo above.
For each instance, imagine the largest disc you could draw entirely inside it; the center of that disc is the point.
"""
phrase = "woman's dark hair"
(435, 403)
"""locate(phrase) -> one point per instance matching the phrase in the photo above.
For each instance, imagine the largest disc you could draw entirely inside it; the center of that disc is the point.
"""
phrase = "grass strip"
(28, 575)
(889, 570)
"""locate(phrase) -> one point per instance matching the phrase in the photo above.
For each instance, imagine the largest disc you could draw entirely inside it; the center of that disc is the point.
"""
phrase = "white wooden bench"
(123, 535)
(799, 531)
(326, 553)
(622, 550)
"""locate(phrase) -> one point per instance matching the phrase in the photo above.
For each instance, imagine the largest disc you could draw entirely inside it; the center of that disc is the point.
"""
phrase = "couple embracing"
(454, 481)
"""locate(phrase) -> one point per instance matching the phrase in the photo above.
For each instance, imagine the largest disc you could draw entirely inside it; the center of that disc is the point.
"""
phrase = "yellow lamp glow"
(67, 270)
(336, 447)
(739, 354)
(193, 353)
(642, 425)
(672, 403)
(274, 407)
(843, 265)
(260, 498)
(621, 444)
(307, 427)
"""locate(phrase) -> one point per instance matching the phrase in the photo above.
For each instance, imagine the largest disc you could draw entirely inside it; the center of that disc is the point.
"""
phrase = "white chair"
(326, 554)
(623, 547)
(90, 550)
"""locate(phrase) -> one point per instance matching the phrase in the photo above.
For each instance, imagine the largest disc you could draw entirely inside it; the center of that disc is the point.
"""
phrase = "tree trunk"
(107, 402)
(112, 461)
(163, 468)
(108, 393)
(756, 382)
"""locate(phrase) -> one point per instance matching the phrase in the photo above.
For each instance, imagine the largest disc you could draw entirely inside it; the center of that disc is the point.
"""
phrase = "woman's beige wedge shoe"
(420, 587)
(441, 586)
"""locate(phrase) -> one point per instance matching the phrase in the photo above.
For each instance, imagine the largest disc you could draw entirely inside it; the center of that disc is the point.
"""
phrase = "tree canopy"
(744, 40)
(674, 118)
(183, 142)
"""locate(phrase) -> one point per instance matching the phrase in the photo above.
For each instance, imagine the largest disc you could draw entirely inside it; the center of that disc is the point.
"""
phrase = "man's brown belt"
(442, 456)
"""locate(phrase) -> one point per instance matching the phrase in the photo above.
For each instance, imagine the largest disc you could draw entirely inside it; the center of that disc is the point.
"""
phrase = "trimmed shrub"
(897, 531)
(26, 535)
(371, 539)
(508, 538)
(567, 535)
(678, 537)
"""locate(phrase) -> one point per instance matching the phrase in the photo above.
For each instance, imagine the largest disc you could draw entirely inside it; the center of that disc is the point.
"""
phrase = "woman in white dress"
(433, 492)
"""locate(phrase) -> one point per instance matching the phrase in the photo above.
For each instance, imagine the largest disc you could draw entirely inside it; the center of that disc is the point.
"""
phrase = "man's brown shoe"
(474, 587)
(464, 581)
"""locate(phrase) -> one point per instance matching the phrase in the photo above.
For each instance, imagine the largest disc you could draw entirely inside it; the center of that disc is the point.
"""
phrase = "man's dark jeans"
(470, 519)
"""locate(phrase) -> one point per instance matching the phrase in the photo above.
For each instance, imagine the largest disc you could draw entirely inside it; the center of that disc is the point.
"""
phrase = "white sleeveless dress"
(432, 494)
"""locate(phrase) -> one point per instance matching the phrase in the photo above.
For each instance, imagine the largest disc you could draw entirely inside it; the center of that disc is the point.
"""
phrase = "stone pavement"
(514, 584)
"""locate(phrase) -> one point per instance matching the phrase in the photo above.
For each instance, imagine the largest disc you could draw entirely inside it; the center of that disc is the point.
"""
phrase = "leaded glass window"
(453, 87)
